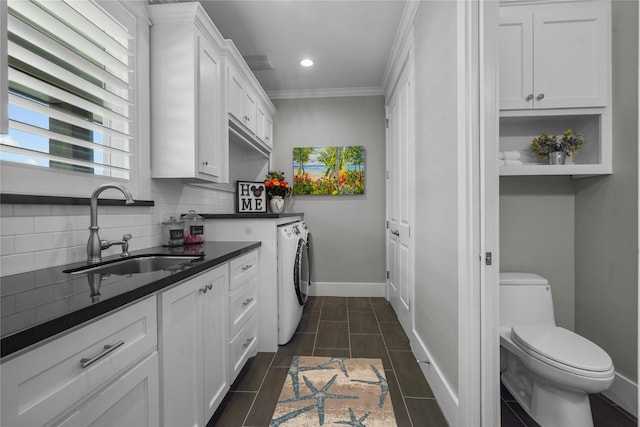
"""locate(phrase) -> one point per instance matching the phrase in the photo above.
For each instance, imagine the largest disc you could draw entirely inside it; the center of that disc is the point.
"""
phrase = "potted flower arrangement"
(277, 189)
(554, 149)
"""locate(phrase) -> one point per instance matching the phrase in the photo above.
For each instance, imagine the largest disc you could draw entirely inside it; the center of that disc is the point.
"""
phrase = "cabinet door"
(268, 131)
(131, 400)
(216, 376)
(181, 350)
(516, 61)
(261, 115)
(235, 88)
(250, 112)
(571, 57)
(209, 141)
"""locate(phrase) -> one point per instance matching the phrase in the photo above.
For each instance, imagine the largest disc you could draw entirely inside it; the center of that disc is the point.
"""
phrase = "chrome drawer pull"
(107, 349)
(246, 267)
(247, 342)
(247, 302)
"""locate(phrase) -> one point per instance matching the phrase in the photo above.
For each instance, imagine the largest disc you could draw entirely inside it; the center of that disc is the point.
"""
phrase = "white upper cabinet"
(554, 55)
(187, 122)
(248, 110)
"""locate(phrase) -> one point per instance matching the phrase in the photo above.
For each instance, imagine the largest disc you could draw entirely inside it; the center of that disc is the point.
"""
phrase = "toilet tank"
(525, 299)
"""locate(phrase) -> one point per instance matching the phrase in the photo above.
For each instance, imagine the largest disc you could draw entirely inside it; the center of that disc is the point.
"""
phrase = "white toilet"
(549, 370)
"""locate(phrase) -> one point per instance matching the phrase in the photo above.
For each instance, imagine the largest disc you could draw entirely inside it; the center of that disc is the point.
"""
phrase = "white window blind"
(70, 87)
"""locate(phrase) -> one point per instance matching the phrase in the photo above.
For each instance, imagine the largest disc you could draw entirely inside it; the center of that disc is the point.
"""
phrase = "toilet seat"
(564, 350)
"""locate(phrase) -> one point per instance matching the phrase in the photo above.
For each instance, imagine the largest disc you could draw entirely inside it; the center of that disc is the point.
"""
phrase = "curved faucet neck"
(94, 200)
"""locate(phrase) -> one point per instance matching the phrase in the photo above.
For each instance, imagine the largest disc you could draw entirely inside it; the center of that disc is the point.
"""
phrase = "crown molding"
(398, 47)
(326, 93)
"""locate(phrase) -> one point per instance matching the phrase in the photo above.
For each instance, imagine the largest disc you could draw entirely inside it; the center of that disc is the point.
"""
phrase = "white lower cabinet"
(193, 345)
(103, 374)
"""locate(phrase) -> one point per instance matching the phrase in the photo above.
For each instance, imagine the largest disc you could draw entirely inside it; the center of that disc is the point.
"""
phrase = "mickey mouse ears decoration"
(251, 197)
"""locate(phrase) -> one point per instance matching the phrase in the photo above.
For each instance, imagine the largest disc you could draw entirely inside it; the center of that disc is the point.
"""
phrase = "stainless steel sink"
(138, 264)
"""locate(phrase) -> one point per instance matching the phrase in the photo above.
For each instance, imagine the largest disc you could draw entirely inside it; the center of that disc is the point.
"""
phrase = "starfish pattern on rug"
(286, 417)
(295, 369)
(320, 396)
(382, 383)
(340, 362)
(355, 422)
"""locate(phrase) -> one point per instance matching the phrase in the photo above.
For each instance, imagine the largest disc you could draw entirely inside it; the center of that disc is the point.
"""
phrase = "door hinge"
(386, 123)
(387, 225)
(488, 258)
(387, 274)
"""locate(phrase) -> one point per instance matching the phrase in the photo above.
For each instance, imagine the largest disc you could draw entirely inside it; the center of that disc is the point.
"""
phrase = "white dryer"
(294, 274)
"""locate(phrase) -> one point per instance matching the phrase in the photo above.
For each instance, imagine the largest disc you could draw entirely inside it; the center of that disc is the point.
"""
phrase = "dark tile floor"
(605, 413)
(341, 327)
(363, 327)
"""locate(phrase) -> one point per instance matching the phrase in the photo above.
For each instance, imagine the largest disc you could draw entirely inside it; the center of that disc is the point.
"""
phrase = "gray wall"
(348, 231)
(607, 215)
(537, 234)
(436, 238)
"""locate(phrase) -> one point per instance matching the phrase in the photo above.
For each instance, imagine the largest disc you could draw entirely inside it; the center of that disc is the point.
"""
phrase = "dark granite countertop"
(250, 215)
(40, 304)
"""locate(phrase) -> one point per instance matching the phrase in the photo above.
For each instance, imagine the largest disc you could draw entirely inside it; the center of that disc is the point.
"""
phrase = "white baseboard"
(347, 289)
(624, 393)
(446, 397)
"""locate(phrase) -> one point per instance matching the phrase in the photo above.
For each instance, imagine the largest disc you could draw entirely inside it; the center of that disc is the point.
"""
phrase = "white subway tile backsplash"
(33, 243)
(12, 226)
(42, 236)
(16, 321)
(6, 245)
(32, 210)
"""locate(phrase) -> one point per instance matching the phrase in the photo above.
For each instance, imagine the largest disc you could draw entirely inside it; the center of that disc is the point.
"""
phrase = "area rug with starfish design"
(334, 391)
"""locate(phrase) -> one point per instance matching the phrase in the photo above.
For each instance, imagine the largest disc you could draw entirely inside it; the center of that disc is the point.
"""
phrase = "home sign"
(251, 197)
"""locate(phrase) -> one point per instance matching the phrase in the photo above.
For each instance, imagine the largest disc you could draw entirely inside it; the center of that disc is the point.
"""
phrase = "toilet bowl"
(549, 370)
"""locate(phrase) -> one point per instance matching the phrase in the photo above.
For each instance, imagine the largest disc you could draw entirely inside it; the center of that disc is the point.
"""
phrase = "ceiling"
(349, 41)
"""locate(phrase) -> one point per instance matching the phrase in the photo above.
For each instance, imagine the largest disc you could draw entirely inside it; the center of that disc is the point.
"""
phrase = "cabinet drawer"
(43, 383)
(242, 305)
(243, 268)
(243, 346)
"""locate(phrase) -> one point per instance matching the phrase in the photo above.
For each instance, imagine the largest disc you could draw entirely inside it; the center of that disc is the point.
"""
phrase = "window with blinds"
(70, 83)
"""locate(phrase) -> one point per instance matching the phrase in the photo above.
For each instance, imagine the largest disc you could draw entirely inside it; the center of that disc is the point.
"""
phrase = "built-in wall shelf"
(517, 132)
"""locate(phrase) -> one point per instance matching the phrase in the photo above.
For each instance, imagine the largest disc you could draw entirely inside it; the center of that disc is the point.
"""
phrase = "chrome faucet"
(95, 246)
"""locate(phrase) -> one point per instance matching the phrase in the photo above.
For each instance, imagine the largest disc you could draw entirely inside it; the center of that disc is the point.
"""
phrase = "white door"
(400, 193)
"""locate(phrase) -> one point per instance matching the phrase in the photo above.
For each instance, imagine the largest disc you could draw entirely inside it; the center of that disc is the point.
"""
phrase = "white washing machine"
(294, 277)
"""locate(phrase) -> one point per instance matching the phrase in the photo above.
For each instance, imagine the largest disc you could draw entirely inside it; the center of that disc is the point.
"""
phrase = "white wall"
(607, 216)
(537, 235)
(436, 238)
(348, 231)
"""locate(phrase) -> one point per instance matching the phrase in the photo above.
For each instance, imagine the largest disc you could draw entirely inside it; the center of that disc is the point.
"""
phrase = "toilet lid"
(562, 348)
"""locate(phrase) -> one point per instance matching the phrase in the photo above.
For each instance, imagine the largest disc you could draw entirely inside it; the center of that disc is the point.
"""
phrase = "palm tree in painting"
(354, 154)
(301, 156)
(333, 158)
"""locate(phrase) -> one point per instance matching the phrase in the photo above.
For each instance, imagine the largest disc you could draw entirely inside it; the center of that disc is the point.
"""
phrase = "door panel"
(400, 195)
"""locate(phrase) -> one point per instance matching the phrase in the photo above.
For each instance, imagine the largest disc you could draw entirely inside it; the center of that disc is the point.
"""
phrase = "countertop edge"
(26, 339)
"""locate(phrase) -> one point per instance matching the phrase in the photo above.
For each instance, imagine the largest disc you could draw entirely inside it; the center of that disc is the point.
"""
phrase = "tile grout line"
(384, 342)
(259, 389)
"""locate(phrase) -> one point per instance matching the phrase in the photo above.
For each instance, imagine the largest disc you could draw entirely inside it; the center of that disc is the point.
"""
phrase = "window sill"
(28, 199)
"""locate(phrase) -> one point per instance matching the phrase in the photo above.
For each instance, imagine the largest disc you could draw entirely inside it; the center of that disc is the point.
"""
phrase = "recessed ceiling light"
(306, 62)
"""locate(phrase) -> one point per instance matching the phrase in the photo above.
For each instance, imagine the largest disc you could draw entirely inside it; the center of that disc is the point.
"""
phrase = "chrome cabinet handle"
(395, 233)
(540, 97)
(86, 362)
(529, 97)
(205, 163)
(206, 288)
(247, 342)
(247, 302)
(246, 267)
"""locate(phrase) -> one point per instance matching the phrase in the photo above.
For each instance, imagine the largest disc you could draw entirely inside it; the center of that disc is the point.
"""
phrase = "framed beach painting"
(328, 170)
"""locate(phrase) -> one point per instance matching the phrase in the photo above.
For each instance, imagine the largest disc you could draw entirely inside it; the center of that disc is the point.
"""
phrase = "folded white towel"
(501, 163)
(501, 155)
(512, 162)
(512, 155)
